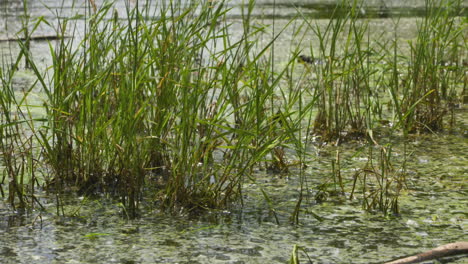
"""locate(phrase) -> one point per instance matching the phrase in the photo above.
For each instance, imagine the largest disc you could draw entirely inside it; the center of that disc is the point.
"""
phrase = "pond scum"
(170, 108)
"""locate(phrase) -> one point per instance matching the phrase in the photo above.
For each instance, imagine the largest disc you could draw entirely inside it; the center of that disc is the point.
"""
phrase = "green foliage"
(429, 86)
(165, 105)
(173, 104)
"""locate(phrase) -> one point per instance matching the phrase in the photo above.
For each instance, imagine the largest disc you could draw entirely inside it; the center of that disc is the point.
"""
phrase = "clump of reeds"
(429, 87)
(171, 106)
(343, 75)
(161, 103)
(347, 70)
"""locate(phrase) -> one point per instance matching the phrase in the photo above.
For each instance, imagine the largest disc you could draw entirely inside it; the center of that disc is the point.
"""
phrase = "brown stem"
(456, 248)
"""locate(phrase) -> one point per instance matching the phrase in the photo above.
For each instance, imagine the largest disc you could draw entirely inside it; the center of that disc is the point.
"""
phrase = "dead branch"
(451, 249)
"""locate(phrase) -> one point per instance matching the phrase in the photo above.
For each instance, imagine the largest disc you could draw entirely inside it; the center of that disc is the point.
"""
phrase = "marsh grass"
(348, 68)
(17, 147)
(340, 61)
(174, 103)
(163, 105)
(13, 172)
(377, 184)
(381, 183)
(433, 77)
(19, 152)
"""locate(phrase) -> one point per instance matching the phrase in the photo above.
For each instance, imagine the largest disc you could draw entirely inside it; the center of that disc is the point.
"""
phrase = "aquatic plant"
(349, 68)
(162, 104)
(9, 134)
(343, 73)
(381, 184)
(172, 103)
(18, 152)
(295, 255)
(430, 84)
(349, 75)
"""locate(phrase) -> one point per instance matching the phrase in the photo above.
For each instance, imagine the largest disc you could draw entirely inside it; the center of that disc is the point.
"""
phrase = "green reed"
(431, 83)
(381, 183)
(164, 105)
(18, 153)
(171, 103)
(341, 62)
(9, 134)
(295, 255)
(349, 72)
(348, 69)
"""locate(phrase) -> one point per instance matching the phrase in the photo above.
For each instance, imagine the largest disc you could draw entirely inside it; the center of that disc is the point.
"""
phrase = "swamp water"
(433, 209)
(433, 212)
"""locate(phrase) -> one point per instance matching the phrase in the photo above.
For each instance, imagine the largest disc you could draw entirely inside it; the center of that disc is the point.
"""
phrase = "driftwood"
(451, 249)
(33, 38)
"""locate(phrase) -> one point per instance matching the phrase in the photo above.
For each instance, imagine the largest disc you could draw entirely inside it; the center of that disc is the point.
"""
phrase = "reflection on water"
(12, 11)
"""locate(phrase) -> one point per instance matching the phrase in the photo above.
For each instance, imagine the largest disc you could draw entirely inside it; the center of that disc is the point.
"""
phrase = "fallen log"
(33, 38)
(446, 250)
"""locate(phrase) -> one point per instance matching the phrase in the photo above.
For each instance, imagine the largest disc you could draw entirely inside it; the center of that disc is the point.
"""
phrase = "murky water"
(433, 209)
(433, 213)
